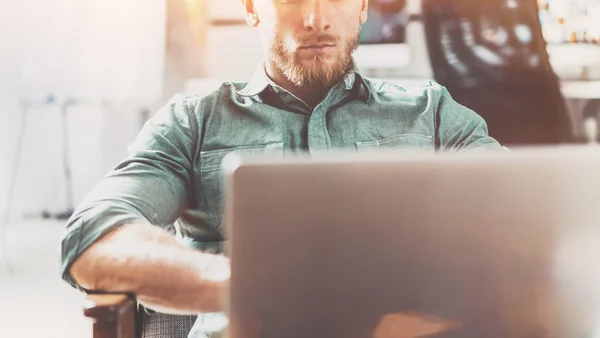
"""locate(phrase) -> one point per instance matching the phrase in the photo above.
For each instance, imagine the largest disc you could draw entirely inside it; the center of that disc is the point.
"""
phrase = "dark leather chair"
(492, 58)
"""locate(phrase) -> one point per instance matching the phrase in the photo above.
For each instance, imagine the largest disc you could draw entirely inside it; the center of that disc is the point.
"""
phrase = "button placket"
(318, 135)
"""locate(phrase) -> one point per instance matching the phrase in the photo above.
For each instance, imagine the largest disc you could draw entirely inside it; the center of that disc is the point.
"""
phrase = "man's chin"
(319, 62)
(316, 72)
(319, 65)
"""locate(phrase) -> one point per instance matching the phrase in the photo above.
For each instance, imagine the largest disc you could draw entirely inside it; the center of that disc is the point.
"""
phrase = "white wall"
(95, 49)
(108, 56)
(232, 61)
(10, 33)
(233, 52)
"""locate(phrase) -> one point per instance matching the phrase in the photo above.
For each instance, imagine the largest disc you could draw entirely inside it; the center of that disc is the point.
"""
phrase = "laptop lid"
(415, 245)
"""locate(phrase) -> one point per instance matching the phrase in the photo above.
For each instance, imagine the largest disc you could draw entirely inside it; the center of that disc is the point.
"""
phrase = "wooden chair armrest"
(113, 315)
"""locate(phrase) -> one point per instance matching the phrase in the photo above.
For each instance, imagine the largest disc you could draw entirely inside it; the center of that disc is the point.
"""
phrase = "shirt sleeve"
(151, 185)
(460, 128)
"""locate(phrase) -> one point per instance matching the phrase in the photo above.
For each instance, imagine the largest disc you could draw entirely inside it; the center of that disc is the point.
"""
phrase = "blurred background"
(80, 77)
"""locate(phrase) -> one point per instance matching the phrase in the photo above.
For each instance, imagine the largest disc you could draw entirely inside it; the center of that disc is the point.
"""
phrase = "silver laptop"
(415, 245)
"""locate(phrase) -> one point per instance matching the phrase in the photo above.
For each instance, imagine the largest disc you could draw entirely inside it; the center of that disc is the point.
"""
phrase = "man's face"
(310, 41)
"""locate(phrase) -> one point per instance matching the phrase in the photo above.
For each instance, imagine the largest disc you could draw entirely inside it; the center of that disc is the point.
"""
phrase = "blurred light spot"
(523, 33)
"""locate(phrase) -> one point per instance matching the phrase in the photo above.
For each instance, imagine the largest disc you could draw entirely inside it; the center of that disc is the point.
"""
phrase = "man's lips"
(319, 48)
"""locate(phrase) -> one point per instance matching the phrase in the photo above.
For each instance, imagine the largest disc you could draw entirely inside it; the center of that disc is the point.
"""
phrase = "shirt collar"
(260, 81)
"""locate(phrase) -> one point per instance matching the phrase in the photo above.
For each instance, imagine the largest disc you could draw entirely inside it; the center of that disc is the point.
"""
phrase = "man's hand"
(412, 325)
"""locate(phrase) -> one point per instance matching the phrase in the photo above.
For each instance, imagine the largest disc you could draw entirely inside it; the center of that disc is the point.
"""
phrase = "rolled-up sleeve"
(152, 185)
(460, 128)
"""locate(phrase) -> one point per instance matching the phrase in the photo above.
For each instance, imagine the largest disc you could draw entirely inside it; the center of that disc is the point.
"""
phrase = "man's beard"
(317, 74)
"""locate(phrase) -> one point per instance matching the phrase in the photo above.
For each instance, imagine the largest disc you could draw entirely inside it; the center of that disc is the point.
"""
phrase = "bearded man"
(306, 97)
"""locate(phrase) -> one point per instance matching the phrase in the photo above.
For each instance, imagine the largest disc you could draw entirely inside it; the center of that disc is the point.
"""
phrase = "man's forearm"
(149, 262)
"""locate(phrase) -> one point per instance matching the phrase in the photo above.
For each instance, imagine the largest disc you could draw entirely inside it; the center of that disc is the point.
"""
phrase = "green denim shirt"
(172, 173)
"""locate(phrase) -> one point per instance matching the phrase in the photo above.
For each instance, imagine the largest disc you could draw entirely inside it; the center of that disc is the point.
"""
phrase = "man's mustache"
(317, 39)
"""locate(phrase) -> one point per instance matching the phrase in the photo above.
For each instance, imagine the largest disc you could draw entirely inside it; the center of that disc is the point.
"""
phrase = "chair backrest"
(492, 57)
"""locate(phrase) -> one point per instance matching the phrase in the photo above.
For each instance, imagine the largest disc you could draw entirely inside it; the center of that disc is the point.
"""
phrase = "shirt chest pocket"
(399, 142)
(210, 180)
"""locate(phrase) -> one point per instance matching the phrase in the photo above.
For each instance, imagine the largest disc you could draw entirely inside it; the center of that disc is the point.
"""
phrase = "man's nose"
(316, 15)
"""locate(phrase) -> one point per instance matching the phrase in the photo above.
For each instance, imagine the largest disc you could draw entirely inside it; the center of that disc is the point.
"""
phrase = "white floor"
(34, 301)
